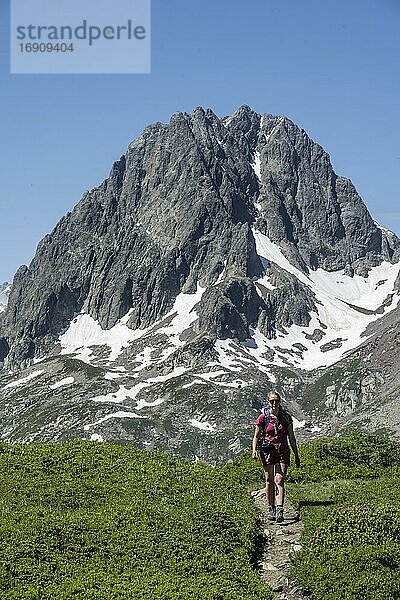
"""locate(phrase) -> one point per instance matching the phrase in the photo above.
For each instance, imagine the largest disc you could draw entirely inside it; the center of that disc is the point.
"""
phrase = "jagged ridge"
(178, 210)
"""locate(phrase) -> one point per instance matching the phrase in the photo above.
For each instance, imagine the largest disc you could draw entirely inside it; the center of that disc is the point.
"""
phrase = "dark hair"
(284, 416)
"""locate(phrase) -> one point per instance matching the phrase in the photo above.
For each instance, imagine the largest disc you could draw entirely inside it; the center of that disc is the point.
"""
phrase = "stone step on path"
(280, 541)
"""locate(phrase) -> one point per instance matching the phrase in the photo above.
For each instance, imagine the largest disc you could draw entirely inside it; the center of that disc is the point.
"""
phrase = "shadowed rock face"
(178, 210)
(317, 217)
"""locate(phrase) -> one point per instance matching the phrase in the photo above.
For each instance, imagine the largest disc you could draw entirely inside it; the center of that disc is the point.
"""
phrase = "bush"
(354, 573)
(94, 521)
(351, 456)
(350, 542)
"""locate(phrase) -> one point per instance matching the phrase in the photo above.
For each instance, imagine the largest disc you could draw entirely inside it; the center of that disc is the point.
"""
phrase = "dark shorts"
(275, 456)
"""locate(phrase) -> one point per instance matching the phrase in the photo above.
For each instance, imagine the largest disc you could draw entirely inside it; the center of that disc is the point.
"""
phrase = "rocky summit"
(221, 258)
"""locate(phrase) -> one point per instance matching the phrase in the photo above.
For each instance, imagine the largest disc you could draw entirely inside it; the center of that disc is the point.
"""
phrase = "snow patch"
(120, 395)
(84, 332)
(221, 276)
(4, 294)
(194, 382)
(123, 393)
(184, 315)
(339, 297)
(210, 377)
(316, 429)
(24, 379)
(110, 375)
(235, 356)
(228, 120)
(203, 425)
(256, 165)
(226, 355)
(62, 382)
(117, 415)
(298, 424)
(144, 403)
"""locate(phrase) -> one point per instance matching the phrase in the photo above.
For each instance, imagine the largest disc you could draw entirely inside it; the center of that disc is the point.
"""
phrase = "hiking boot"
(271, 513)
(279, 514)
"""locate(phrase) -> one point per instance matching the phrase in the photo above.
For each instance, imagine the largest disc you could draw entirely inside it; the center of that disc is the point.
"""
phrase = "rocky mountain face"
(220, 258)
(4, 293)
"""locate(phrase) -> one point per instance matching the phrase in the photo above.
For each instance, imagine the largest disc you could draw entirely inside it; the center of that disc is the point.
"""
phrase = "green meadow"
(98, 521)
(88, 520)
(348, 494)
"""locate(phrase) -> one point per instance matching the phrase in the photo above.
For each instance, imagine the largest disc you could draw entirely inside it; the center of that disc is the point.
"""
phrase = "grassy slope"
(93, 521)
(349, 497)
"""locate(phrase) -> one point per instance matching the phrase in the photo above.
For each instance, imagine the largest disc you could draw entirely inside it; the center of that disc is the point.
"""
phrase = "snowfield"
(339, 296)
(345, 307)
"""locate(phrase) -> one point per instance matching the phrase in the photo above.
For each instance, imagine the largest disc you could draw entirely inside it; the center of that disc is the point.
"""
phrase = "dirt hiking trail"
(279, 540)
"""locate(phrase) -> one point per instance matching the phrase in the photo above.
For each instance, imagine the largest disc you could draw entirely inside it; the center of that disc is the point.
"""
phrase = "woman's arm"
(293, 444)
(257, 433)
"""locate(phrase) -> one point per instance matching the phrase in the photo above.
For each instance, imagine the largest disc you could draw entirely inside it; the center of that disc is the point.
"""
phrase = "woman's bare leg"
(269, 484)
(280, 474)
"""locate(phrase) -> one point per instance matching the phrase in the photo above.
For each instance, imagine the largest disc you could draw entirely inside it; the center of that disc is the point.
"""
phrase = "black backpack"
(263, 444)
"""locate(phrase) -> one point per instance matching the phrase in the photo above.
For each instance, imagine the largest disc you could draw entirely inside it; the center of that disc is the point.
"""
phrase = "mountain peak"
(182, 208)
(220, 259)
(244, 110)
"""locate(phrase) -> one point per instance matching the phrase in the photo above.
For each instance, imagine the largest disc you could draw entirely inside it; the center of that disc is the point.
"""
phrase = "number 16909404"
(43, 47)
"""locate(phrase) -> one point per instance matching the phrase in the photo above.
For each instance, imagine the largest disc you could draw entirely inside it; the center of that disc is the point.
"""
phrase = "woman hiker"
(275, 426)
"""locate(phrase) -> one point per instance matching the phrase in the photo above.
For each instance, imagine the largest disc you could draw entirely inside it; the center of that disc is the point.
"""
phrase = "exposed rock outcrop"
(177, 210)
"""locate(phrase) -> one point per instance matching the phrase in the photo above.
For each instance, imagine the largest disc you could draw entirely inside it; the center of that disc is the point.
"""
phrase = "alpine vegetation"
(85, 520)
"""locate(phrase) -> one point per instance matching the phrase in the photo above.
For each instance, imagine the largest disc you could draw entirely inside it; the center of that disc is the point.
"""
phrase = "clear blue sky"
(332, 66)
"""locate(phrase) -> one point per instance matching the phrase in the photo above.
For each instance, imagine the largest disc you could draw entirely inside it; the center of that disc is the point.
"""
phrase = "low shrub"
(348, 494)
(93, 521)
(351, 456)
